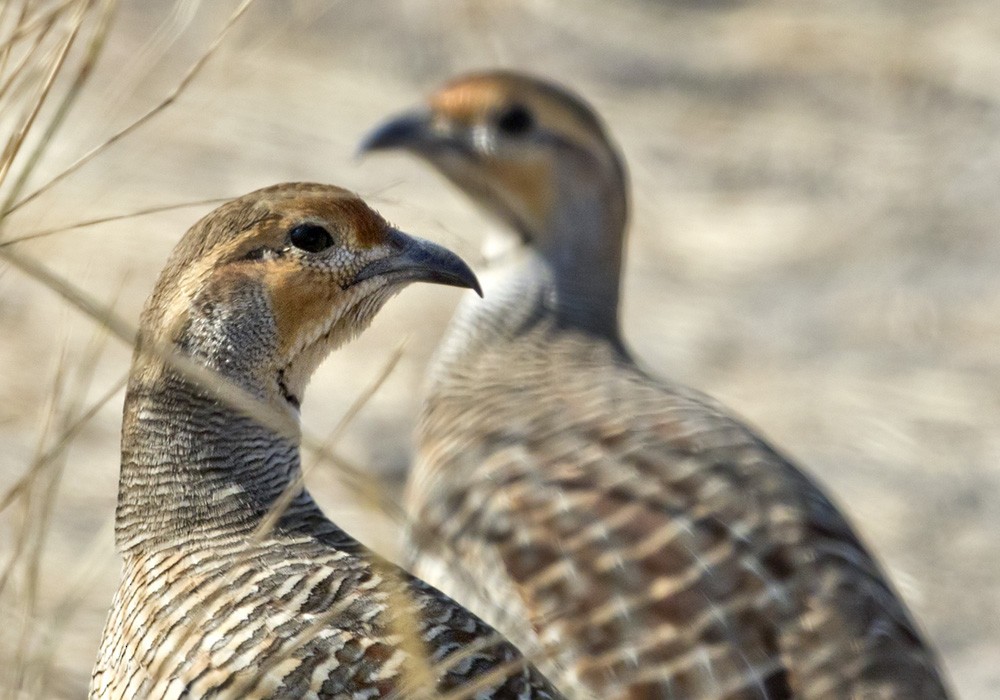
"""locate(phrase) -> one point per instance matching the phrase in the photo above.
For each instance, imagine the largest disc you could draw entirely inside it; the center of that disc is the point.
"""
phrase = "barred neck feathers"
(193, 467)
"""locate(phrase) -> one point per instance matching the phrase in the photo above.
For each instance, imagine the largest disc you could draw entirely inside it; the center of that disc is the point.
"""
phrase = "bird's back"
(649, 543)
(292, 616)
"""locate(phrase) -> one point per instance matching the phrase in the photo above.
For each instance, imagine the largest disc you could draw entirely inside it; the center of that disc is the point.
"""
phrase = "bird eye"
(310, 238)
(516, 120)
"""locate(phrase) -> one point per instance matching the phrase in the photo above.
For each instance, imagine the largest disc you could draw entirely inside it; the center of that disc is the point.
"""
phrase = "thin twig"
(158, 209)
(65, 440)
(192, 72)
(14, 145)
(84, 70)
(283, 501)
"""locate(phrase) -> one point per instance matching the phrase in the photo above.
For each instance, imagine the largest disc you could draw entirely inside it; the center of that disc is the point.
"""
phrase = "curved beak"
(409, 130)
(413, 259)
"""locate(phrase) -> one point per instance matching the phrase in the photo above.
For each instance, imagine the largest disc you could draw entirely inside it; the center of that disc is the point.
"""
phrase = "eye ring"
(515, 120)
(311, 238)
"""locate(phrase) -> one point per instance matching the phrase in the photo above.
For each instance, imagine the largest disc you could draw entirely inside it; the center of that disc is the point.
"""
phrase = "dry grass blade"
(19, 71)
(456, 657)
(41, 644)
(37, 465)
(35, 54)
(486, 680)
(61, 444)
(31, 530)
(81, 300)
(84, 69)
(370, 495)
(418, 680)
(96, 558)
(189, 76)
(26, 26)
(146, 211)
(33, 663)
(248, 682)
(16, 141)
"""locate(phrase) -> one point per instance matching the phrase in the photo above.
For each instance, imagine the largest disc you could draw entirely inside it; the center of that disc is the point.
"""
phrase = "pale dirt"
(815, 242)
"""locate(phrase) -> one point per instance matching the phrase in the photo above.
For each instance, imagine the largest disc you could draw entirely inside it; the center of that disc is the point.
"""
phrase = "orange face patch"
(301, 300)
(528, 187)
(470, 99)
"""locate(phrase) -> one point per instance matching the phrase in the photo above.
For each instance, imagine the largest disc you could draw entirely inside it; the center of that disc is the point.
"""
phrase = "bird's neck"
(582, 253)
(570, 287)
(580, 243)
(192, 466)
(570, 271)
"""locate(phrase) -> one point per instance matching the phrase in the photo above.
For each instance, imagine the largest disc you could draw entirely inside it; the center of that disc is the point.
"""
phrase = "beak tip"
(456, 272)
(370, 142)
(402, 131)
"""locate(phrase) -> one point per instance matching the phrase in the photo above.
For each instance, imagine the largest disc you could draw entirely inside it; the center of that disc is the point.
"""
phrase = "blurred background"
(814, 241)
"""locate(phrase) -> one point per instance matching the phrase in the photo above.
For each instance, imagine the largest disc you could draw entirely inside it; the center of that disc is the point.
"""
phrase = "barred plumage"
(212, 602)
(651, 545)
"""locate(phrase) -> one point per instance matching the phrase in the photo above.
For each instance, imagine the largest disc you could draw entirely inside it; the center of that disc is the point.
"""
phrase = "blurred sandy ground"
(815, 241)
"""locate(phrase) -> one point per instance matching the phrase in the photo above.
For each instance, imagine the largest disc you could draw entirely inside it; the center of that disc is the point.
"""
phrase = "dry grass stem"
(222, 389)
(34, 656)
(145, 211)
(23, 563)
(418, 679)
(287, 496)
(25, 26)
(84, 69)
(27, 58)
(186, 80)
(61, 444)
(17, 140)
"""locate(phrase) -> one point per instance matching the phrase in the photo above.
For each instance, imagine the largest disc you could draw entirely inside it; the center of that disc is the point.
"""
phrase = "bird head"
(262, 288)
(531, 152)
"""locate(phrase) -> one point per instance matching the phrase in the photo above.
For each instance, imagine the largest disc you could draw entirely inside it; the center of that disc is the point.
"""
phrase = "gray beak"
(408, 130)
(415, 260)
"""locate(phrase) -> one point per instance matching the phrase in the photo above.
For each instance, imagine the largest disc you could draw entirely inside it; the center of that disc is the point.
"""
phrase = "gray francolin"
(215, 601)
(649, 543)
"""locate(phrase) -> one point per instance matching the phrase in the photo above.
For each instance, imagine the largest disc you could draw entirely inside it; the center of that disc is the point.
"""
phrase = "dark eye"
(515, 120)
(310, 238)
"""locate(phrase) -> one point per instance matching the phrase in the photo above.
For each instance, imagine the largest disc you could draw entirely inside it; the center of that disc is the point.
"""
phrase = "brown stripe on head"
(474, 97)
(469, 99)
(221, 233)
(365, 227)
(525, 174)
